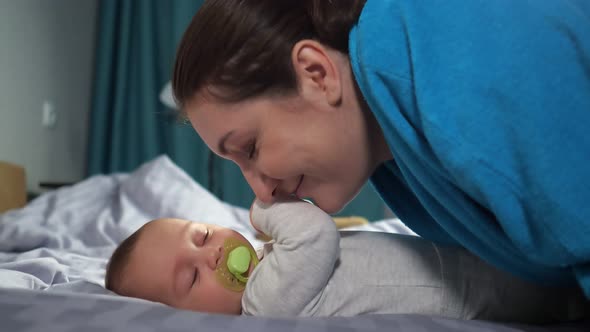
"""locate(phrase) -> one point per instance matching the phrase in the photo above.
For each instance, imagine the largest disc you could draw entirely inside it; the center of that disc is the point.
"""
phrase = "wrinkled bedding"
(62, 240)
(53, 255)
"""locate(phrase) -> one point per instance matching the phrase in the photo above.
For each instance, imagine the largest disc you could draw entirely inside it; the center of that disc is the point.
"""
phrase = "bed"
(53, 254)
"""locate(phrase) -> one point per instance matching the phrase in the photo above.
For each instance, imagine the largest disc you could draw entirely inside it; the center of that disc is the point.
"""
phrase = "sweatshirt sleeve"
(290, 279)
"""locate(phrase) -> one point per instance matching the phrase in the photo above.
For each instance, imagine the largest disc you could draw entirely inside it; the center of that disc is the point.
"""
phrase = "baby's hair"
(118, 262)
(238, 49)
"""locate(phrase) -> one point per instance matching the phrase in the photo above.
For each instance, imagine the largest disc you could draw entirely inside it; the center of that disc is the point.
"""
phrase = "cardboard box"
(13, 187)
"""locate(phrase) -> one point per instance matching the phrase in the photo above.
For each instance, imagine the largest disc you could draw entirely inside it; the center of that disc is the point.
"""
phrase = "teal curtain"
(129, 125)
(136, 42)
(367, 204)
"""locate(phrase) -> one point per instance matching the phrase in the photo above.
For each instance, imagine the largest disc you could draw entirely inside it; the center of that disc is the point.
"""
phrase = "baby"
(313, 269)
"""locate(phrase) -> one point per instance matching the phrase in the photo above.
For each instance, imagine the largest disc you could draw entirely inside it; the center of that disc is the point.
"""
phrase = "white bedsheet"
(63, 239)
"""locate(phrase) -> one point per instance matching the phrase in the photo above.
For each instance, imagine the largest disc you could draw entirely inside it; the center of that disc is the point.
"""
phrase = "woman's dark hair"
(239, 49)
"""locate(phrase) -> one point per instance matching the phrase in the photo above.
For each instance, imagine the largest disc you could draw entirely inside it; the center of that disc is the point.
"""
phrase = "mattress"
(28, 310)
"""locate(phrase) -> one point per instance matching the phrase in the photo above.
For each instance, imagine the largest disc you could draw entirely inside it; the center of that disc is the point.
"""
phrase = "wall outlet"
(49, 118)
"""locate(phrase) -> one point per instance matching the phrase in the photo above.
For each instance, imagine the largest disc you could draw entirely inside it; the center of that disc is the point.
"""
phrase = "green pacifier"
(236, 262)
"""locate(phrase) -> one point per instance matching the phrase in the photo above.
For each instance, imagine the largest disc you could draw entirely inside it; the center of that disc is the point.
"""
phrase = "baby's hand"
(258, 209)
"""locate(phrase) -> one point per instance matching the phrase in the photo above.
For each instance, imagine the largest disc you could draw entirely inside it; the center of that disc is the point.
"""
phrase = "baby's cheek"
(223, 300)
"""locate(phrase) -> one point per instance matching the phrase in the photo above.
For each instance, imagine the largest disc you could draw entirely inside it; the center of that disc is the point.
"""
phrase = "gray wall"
(46, 54)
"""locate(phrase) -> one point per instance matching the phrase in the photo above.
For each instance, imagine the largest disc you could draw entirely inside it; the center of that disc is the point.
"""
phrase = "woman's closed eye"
(251, 150)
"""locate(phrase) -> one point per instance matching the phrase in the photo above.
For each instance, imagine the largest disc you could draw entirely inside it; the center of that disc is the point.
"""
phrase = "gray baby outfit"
(312, 269)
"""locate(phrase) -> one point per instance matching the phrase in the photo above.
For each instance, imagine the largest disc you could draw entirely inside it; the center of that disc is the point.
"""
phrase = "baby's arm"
(290, 279)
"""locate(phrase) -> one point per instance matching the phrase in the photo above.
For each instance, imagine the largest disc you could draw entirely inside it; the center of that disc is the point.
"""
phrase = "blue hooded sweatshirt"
(485, 106)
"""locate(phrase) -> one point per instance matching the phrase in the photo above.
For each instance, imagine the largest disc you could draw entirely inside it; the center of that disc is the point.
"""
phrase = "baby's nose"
(213, 256)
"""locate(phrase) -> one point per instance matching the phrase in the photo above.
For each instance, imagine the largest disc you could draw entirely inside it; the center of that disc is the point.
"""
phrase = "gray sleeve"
(290, 279)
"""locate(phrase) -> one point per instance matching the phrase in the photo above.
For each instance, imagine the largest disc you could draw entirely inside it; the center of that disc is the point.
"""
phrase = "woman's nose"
(264, 187)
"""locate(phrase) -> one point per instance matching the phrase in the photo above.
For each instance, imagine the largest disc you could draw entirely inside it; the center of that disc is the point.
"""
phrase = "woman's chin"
(330, 207)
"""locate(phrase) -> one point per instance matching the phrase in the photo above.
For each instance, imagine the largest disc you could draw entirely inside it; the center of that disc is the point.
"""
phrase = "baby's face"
(174, 263)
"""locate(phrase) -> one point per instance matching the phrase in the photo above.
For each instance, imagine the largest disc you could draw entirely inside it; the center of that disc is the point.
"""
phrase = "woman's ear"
(318, 72)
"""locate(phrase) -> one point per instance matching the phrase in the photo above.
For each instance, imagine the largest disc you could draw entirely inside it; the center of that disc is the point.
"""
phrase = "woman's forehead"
(215, 122)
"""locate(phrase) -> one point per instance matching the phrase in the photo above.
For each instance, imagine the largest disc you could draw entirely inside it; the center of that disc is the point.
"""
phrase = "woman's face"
(318, 143)
(286, 146)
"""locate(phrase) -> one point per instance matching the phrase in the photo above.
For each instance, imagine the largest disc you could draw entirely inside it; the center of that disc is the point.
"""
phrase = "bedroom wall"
(46, 55)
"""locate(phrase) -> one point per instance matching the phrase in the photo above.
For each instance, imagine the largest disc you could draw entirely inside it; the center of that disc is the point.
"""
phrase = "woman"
(469, 117)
